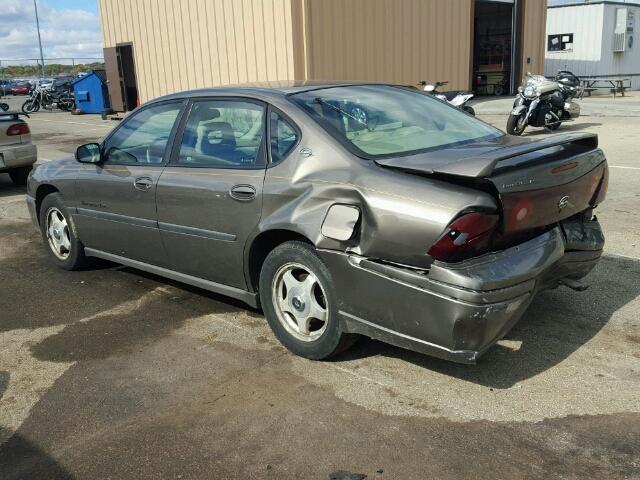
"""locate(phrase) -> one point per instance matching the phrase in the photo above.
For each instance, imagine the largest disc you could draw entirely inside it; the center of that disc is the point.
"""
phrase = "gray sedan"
(339, 209)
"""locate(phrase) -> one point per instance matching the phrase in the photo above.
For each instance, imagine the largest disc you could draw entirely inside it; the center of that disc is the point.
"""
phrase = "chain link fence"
(30, 68)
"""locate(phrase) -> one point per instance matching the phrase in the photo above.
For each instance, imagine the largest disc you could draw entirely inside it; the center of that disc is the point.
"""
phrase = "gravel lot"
(114, 373)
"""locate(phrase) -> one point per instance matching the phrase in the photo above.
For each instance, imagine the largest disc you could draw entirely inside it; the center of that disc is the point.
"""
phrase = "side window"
(283, 137)
(143, 137)
(223, 134)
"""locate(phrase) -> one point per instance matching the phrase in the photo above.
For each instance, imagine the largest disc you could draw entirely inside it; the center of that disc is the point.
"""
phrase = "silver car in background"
(340, 209)
(17, 153)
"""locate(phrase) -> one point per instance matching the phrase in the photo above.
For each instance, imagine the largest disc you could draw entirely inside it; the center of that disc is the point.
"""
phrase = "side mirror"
(89, 153)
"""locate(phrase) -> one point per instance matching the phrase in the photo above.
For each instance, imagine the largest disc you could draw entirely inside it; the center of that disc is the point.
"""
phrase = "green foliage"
(50, 70)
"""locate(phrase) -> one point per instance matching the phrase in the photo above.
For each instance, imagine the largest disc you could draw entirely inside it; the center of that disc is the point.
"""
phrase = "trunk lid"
(537, 183)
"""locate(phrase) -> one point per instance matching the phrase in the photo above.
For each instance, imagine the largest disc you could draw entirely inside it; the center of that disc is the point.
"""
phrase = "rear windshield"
(375, 121)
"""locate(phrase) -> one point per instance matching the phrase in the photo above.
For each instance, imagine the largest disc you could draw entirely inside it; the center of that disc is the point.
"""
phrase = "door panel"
(115, 216)
(203, 227)
(116, 199)
(114, 81)
(209, 197)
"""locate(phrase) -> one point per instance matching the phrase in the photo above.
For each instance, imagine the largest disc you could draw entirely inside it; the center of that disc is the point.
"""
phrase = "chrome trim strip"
(146, 223)
(115, 217)
(196, 232)
(249, 298)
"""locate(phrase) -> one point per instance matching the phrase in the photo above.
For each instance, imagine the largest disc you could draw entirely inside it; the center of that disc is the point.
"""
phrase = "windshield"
(376, 121)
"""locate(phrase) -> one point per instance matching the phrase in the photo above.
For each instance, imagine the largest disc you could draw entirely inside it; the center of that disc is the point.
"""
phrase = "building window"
(561, 42)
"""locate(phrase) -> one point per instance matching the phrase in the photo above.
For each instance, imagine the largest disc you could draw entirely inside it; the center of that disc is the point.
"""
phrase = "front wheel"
(299, 300)
(515, 124)
(65, 249)
(4, 106)
(30, 106)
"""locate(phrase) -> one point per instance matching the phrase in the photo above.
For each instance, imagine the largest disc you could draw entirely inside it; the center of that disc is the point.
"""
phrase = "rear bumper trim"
(15, 156)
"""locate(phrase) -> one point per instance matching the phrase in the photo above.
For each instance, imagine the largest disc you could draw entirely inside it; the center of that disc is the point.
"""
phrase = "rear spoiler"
(483, 165)
(12, 116)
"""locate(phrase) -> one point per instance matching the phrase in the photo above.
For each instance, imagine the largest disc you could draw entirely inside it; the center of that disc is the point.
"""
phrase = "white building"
(594, 39)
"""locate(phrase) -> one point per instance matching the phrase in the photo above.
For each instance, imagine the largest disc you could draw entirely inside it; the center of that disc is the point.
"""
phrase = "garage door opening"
(121, 77)
(493, 47)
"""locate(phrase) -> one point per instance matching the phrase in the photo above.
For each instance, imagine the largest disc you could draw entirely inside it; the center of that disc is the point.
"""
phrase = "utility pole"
(35, 7)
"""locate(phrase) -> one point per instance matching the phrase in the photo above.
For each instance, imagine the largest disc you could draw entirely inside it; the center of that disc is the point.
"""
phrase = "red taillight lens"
(18, 129)
(464, 236)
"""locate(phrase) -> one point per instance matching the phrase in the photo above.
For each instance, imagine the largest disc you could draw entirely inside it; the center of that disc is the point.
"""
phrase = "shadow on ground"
(564, 128)
(7, 188)
(557, 323)
(20, 459)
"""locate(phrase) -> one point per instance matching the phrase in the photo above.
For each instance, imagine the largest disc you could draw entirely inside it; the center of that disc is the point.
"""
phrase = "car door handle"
(243, 192)
(143, 183)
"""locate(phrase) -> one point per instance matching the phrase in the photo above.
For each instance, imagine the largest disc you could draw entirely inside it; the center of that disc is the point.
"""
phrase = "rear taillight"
(18, 129)
(464, 237)
(602, 185)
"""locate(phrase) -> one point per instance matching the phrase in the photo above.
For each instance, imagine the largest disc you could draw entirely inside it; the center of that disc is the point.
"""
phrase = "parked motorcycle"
(458, 99)
(63, 99)
(542, 102)
(49, 99)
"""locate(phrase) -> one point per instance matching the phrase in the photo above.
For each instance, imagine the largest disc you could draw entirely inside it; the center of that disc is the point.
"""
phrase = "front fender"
(519, 110)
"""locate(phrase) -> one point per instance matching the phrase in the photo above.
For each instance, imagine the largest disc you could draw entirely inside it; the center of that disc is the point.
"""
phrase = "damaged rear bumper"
(458, 311)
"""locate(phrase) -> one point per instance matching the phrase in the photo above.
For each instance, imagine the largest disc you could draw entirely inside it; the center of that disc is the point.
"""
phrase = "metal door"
(210, 194)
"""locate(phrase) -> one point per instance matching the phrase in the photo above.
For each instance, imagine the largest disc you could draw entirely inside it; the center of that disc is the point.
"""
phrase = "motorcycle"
(542, 102)
(63, 99)
(48, 99)
(458, 99)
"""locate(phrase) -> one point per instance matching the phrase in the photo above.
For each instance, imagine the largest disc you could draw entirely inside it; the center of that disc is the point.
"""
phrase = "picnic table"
(617, 85)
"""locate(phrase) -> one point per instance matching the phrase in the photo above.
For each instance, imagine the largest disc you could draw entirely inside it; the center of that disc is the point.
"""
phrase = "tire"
(4, 106)
(554, 127)
(512, 125)
(469, 110)
(51, 209)
(19, 175)
(65, 106)
(30, 106)
(322, 339)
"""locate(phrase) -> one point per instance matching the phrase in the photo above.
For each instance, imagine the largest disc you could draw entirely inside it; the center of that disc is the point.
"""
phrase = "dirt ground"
(114, 373)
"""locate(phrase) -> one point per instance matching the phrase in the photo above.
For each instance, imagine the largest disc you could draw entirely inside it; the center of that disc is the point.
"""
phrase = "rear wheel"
(4, 106)
(65, 249)
(299, 301)
(515, 124)
(553, 127)
(65, 105)
(19, 175)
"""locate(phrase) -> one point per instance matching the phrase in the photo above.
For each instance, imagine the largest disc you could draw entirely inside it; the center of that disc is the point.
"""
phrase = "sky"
(69, 28)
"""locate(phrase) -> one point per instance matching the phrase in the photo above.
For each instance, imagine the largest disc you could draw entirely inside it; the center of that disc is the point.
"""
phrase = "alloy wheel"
(58, 234)
(300, 302)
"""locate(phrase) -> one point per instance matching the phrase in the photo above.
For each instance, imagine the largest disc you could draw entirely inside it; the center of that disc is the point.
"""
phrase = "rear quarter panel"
(401, 214)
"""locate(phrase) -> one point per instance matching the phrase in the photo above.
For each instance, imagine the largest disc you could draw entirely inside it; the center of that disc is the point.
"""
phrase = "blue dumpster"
(91, 92)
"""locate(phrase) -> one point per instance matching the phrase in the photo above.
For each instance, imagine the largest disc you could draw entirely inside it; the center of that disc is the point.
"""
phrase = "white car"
(17, 153)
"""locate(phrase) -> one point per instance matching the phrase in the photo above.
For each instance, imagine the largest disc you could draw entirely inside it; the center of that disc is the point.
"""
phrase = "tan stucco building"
(154, 47)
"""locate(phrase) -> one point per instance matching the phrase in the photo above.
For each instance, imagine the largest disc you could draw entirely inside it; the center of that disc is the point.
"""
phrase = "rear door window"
(223, 134)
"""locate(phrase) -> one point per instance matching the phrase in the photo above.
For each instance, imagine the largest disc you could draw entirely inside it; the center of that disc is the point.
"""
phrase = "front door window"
(142, 139)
